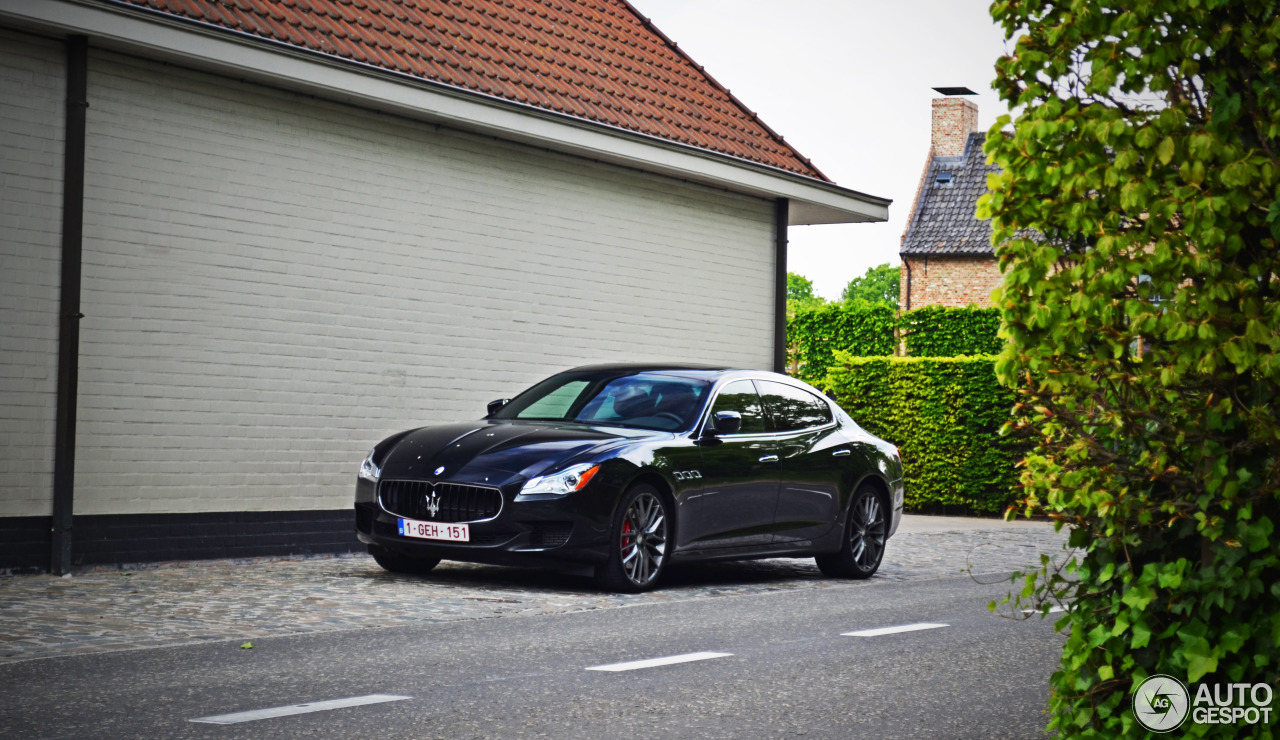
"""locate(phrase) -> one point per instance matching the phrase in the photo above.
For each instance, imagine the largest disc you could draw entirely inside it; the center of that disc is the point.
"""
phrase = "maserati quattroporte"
(624, 469)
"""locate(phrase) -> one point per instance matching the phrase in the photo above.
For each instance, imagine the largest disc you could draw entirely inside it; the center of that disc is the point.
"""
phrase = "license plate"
(435, 531)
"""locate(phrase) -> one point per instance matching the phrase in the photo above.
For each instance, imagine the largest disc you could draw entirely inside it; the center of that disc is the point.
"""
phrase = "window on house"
(1155, 298)
(1143, 345)
(942, 178)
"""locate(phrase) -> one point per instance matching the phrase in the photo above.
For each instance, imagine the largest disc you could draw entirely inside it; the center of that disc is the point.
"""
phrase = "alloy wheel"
(644, 539)
(867, 532)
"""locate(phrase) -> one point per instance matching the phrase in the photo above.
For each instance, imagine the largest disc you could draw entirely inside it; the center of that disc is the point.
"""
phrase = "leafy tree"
(800, 294)
(799, 287)
(878, 285)
(1136, 220)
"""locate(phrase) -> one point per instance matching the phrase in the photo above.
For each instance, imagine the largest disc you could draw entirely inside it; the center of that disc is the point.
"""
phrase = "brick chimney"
(954, 118)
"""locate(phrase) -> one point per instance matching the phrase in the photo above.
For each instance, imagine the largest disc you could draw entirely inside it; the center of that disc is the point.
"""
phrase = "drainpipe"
(899, 345)
(907, 264)
(64, 455)
(781, 214)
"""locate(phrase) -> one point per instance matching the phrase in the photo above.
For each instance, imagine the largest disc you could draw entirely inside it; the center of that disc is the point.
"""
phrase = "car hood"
(494, 452)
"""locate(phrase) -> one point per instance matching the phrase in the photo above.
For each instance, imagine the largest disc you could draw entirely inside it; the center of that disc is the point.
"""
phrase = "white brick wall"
(273, 283)
(32, 90)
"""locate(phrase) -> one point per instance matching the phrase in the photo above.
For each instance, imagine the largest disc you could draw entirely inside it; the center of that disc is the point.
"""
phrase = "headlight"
(369, 471)
(566, 481)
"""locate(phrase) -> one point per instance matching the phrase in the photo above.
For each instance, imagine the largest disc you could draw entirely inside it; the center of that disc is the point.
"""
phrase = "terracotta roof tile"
(593, 59)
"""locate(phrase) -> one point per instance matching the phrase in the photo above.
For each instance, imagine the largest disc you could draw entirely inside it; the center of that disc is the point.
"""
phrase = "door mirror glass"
(728, 422)
(495, 405)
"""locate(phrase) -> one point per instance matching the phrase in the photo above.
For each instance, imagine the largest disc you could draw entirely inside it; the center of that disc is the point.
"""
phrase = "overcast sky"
(847, 82)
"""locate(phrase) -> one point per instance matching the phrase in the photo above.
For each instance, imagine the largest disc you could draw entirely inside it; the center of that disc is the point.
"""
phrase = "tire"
(866, 532)
(639, 540)
(397, 563)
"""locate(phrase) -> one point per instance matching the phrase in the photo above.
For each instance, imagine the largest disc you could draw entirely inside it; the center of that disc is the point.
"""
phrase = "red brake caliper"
(626, 529)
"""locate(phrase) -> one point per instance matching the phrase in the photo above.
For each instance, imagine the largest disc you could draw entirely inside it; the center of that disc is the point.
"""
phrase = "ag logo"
(433, 504)
(1160, 703)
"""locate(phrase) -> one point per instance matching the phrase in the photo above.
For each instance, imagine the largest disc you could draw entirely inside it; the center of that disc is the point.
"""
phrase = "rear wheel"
(398, 563)
(865, 534)
(637, 542)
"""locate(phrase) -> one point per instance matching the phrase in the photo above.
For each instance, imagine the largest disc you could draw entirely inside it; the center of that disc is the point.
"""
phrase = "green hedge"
(859, 328)
(935, 331)
(864, 329)
(945, 415)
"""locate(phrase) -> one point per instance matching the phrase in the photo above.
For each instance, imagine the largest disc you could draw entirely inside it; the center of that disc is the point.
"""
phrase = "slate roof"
(943, 222)
(597, 60)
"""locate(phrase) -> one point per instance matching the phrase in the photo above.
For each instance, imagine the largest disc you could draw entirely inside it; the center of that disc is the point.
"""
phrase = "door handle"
(841, 453)
(769, 458)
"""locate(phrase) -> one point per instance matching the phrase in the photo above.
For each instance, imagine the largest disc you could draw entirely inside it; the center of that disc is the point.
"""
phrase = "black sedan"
(623, 469)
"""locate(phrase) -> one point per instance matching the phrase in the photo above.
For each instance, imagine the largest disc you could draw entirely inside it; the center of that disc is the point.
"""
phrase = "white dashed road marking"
(654, 662)
(894, 630)
(315, 706)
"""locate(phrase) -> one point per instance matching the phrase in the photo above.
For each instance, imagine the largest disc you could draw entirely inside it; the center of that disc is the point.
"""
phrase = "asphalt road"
(789, 672)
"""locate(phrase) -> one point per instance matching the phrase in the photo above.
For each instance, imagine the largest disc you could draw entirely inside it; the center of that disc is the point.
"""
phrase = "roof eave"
(243, 56)
(931, 251)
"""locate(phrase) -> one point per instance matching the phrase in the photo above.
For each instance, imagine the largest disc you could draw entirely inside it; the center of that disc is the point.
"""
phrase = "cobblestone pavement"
(181, 603)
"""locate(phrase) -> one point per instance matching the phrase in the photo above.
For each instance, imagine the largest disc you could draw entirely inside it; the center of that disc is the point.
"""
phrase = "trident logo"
(433, 504)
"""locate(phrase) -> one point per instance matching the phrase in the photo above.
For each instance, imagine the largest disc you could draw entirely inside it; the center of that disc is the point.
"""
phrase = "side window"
(740, 396)
(792, 408)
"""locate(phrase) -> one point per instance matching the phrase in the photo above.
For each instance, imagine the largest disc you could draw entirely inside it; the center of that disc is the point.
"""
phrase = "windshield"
(642, 400)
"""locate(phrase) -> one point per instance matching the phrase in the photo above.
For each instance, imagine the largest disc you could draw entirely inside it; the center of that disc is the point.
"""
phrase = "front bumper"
(546, 530)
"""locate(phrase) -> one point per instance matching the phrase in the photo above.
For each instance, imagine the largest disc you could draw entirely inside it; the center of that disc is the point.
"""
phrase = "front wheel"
(866, 531)
(637, 542)
(397, 563)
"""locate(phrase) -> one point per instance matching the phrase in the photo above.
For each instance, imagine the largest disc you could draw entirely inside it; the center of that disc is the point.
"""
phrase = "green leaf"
(1141, 635)
(1122, 624)
(1233, 639)
(1138, 597)
(1200, 659)
(1257, 534)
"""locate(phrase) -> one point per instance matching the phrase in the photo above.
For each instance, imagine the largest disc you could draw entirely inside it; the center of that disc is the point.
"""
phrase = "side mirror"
(495, 405)
(728, 422)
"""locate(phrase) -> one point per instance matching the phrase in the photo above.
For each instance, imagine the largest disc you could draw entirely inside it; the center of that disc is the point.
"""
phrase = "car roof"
(644, 366)
(706, 372)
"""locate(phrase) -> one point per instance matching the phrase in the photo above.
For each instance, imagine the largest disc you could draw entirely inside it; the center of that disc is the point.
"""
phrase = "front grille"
(457, 502)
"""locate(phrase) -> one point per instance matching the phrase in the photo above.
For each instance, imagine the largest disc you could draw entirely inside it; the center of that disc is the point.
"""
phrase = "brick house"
(242, 242)
(946, 252)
